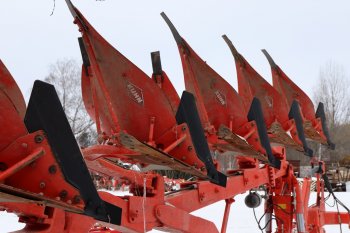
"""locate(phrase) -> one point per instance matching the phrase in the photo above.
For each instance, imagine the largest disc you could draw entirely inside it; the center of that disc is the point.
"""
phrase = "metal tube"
(226, 214)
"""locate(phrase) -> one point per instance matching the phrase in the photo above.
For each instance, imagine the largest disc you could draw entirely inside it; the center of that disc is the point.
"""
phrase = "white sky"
(300, 35)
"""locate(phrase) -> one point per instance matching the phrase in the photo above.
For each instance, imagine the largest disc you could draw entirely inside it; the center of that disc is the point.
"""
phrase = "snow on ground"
(9, 222)
(241, 217)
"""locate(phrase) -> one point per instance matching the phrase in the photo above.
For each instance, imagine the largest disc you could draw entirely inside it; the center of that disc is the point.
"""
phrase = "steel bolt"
(38, 138)
(52, 169)
(42, 185)
(63, 194)
(76, 199)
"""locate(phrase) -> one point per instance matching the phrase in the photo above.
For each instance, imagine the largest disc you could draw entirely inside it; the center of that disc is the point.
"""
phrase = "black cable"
(277, 218)
(326, 199)
(273, 217)
(330, 190)
(256, 219)
(334, 203)
(258, 222)
(339, 202)
(268, 222)
(343, 205)
(336, 200)
(339, 220)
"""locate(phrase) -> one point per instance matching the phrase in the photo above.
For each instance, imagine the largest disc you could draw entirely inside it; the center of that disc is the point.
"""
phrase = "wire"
(258, 222)
(326, 199)
(334, 203)
(339, 219)
(273, 217)
(336, 200)
(343, 205)
(337, 203)
(277, 218)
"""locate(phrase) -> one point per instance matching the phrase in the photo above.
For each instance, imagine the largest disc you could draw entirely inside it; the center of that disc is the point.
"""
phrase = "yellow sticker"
(283, 206)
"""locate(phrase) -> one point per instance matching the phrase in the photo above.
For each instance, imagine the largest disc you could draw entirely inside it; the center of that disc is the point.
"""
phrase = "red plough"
(141, 120)
(223, 115)
(277, 117)
(314, 124)
(121, 98)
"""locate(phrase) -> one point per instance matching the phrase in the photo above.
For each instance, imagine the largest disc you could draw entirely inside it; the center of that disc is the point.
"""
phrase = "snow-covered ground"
(241, 218)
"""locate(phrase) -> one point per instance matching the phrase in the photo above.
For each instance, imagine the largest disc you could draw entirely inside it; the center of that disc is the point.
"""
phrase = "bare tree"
(65, 75)
(332, 91)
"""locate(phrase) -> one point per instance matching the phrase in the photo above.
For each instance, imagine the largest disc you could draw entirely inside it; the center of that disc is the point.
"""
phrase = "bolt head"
(63, 194)
(76, 199)
(42, 185)
(52, 169)
(38, 138)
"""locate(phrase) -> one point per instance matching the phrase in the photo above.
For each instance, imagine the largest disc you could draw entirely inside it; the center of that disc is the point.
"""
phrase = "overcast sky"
(300, 35)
